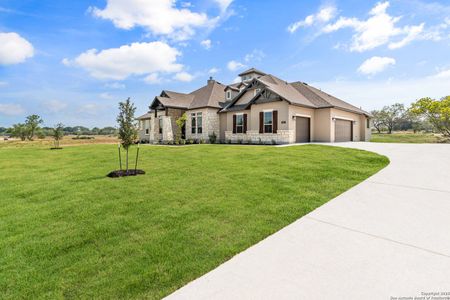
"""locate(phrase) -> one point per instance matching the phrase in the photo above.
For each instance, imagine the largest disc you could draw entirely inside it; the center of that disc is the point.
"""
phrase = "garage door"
(302, 130)
(343, 131)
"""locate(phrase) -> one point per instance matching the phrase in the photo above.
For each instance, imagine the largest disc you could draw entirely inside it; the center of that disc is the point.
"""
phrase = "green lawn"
(67, 231)
(405, 137)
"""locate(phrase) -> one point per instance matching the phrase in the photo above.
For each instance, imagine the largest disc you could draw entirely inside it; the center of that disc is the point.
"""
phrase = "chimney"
(210, 80)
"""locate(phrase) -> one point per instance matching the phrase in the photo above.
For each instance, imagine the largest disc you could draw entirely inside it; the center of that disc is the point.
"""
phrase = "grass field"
(406, 137)
(68, 140)
(67, 231)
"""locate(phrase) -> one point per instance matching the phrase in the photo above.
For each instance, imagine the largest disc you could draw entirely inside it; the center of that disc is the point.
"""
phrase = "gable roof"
(147, 115)
(252, 70)
(322, 99)
(208, 96)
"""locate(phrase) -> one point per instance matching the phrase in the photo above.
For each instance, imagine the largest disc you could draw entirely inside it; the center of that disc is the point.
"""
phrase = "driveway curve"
(386, 238)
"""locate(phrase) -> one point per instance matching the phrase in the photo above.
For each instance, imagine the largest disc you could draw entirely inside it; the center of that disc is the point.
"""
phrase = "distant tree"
(19, 130)
(32, 122)
(391, 115)
(3, 130)
(377, 120)
(108, 131)
(437, 112)
(58, 134)
(127, 126)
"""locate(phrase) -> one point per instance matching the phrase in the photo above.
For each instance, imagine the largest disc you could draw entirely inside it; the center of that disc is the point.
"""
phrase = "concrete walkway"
(387, 237)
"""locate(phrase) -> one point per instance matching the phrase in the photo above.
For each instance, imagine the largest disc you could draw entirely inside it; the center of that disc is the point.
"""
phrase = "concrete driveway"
(387, 237)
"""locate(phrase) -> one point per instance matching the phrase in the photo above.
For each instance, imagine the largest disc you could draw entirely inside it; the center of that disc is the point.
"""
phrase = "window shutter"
(261, 122)
(275, 121)
(234, 123)
(245, 123)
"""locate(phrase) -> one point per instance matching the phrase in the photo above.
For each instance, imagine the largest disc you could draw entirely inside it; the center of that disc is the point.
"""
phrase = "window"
(147, 127)
(160, 125)
(196, 123)
(228, 95)
(240, 123)
(368, 123)
(268, 126)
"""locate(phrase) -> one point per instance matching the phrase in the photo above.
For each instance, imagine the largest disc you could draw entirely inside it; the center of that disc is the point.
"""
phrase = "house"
(261, 108)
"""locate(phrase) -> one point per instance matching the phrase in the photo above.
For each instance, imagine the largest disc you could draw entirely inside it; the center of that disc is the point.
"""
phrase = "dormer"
(231, 91)
(250, 74)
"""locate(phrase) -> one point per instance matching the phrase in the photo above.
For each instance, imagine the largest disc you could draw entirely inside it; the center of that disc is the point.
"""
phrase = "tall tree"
(437, 112)
(32, 122)
(391, 115)
(377, 120)
(127, 126)
(58, 133)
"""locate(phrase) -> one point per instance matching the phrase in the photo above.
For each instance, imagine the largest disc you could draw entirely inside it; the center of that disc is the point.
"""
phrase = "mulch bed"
(123, 173)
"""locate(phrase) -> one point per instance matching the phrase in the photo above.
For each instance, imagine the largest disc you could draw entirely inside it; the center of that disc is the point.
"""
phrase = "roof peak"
(252, 70)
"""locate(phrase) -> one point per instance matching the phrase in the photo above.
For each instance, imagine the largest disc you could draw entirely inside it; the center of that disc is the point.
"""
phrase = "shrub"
(213, 138)
(201, 141)
(239, 141)
(229, 141)
(260, 141)
(182, 141)
(274, 142)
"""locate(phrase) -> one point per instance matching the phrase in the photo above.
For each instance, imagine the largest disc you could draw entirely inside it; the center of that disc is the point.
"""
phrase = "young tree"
(127, 126)
(19, 130)
(181, 121)
(32, 122)
(437, 112)
(58, 133)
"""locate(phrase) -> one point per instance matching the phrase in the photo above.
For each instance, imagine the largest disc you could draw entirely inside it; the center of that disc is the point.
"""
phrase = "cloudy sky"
(72, 61)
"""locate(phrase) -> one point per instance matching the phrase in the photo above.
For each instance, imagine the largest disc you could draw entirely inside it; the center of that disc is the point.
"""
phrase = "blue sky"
(72, 61)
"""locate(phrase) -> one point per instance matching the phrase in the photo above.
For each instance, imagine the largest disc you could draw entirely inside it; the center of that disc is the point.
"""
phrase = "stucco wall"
(322, 125)
(295, 111)
(345, 115)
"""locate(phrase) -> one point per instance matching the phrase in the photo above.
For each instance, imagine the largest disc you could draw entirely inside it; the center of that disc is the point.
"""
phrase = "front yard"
(407, 137)
(67, 231)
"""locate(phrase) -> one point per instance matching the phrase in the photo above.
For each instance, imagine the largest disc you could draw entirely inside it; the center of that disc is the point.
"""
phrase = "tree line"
(426, 114)
(31, 128)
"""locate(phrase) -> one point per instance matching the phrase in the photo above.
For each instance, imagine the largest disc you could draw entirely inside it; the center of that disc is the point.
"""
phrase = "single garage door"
(343, 131)
(302, 130)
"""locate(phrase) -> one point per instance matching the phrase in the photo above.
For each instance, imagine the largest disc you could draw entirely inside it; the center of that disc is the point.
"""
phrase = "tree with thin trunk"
(127, 126)
(58, 134)
(19, 130)
(377, 120)
(437, 112)
(32, 122)
(391, 115)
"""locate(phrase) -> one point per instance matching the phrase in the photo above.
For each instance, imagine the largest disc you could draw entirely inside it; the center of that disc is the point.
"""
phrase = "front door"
(302, 130)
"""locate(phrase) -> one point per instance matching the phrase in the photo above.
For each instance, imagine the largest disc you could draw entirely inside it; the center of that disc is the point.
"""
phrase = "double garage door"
(343, 131)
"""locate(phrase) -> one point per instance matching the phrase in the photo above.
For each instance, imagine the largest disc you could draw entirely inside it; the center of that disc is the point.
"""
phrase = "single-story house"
(259, 108)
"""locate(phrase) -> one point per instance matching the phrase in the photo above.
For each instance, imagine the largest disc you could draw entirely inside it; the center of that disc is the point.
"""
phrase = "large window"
(239, 123)
(228, 95)
(196, 123)
(368, 123)
(268, 123)
(160, 125)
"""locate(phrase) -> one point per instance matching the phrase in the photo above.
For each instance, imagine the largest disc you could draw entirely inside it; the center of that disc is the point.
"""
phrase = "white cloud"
(254, 56)
(213, 71)
(379, 29)
(14, 49)
(153, 78)
(206, 44)
(160, 17)
(223, 4)
(374, 94)
(11, 109)
(115, 85)
(106, 96)
(443, 74)
(235, 65)
(375, 65)
(90, 108)
(54, 106)
(184, 76)
(324, 15)
(135, 59)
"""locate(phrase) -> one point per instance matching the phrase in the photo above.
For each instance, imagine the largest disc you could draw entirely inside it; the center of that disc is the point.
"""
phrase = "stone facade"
(210, 124)
(254, 137)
